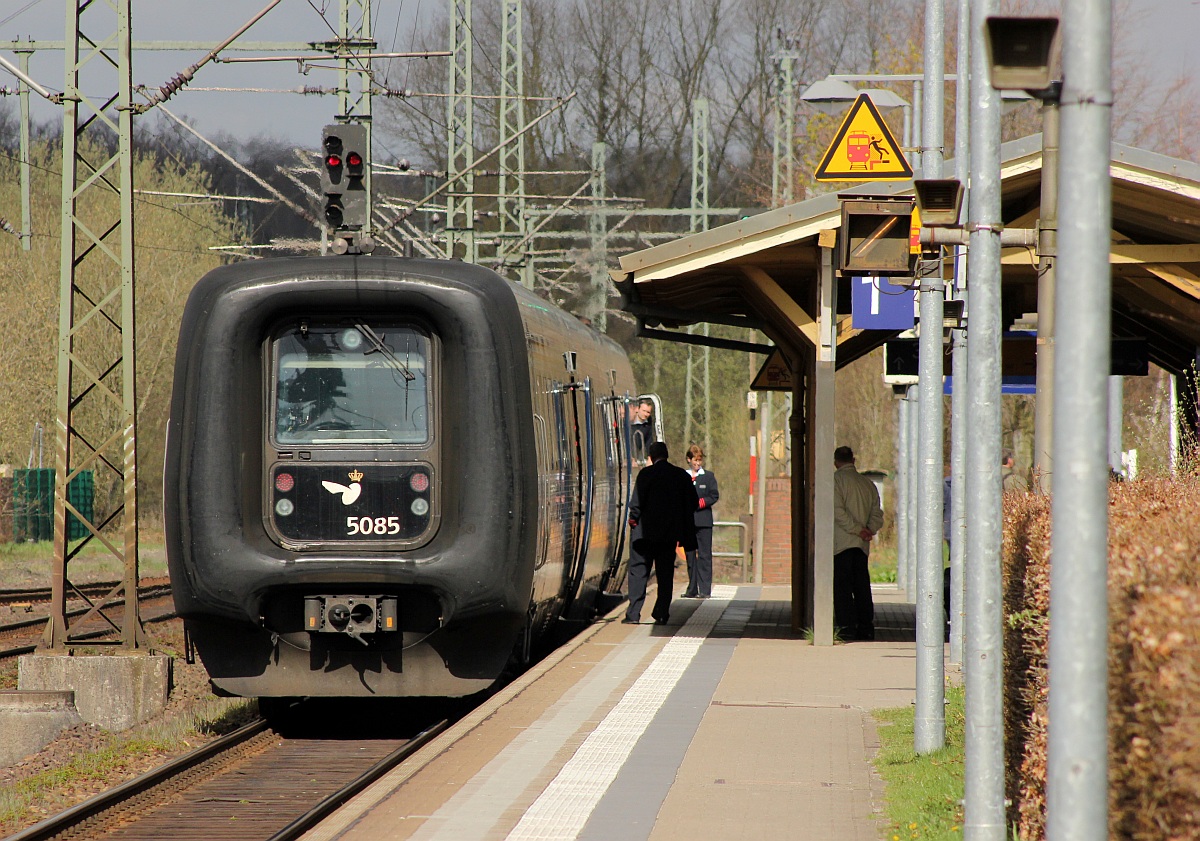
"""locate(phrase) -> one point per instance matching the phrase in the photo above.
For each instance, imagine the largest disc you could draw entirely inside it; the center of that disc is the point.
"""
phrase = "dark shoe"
(661, 620)
(628, 621)
(690, 596)
(700, 596)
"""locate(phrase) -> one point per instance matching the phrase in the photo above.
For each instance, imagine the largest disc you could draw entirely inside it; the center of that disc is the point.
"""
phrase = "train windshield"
(353, 382)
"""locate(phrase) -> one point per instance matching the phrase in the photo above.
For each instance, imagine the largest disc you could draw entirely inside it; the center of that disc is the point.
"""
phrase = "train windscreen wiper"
(377, 345)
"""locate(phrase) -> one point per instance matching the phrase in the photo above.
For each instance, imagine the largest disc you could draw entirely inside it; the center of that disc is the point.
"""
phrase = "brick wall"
(777, 532)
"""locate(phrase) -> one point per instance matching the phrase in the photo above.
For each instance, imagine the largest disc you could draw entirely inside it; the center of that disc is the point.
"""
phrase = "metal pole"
(914, 496)
(26, 206)
(929, 724)
(1077, 754)
(1116, 421)
(822, 401)
(760, 508)
(354, 100)
(902, 492)
(984, 772)
(596, 305)
(1043, 418)
(919, 111)
(460, 135)
(514, 220)
(958, 350)
(1174, 410)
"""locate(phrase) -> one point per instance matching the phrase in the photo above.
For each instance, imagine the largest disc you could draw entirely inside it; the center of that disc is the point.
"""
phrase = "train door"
(583, 456)
(614, 418)
(544, 472)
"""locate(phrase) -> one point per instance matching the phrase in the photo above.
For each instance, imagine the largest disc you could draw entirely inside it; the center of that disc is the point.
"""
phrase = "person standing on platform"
(857, 517)
(661, 509)
(1010, 479)
(699, 563)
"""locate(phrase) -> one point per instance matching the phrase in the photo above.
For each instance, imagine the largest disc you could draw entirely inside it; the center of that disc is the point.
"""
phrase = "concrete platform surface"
(721, 724)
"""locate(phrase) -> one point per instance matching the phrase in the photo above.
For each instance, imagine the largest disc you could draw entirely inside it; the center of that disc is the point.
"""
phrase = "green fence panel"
(33, 504)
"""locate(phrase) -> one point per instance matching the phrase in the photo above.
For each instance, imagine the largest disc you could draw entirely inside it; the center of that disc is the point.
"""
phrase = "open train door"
(645, 427)
(633, 433)
(577, 413)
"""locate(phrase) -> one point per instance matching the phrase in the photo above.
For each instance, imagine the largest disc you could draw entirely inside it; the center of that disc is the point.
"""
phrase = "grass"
(32, 797)
(29, 564)
(882, 564)
(923, 793)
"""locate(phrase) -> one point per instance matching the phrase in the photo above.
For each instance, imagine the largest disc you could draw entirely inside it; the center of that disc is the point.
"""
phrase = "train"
(389, 477)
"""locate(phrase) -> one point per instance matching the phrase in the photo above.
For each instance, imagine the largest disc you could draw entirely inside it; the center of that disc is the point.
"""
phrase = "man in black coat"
(662, 509)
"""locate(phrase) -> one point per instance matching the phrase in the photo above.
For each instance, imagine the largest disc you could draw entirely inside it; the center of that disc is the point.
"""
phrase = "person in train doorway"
(699, 563)
(857, 517)
(661, 512)
(641, 430)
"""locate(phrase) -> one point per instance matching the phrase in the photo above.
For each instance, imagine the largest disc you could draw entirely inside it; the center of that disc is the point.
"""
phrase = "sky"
(1165, 30)
(288, 116)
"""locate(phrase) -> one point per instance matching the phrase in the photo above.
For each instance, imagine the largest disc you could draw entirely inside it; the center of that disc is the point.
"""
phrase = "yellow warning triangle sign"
(774, 375)
(863, 149)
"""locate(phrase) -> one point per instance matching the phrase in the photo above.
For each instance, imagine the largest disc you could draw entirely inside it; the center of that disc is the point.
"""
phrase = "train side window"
(608, 413)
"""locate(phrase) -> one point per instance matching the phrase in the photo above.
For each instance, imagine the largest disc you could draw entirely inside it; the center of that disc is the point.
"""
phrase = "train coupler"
(351, 615)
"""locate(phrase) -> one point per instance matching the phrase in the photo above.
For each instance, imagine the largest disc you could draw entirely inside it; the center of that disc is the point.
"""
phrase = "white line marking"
(563, 809)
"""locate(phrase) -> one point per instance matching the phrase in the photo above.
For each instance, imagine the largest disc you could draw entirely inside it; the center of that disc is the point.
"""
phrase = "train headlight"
(351, 339)
(420, 507)
(284, 507)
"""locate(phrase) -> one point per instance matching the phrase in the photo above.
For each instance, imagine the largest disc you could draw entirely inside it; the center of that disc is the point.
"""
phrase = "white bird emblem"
(349, 494)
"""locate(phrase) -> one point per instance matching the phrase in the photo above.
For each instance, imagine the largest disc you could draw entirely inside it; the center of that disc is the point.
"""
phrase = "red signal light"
(333, 161)
(354, 159)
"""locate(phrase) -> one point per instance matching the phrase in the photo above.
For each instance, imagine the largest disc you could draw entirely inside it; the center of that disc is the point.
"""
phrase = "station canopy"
(771, 260)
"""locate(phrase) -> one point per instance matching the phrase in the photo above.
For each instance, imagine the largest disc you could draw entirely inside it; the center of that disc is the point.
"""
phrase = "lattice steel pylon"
(701, 140)
(783, 173)
(460, 133)
(514, 222)
(96, 401)
(595, 306)
(355, 81)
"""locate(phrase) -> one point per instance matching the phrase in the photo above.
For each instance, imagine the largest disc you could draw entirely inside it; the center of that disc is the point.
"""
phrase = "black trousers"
(699, 564)
(643, 555)
(853, 608)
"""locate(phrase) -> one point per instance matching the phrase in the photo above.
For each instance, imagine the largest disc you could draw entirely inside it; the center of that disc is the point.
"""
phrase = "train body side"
(579, 424)
(465, 580)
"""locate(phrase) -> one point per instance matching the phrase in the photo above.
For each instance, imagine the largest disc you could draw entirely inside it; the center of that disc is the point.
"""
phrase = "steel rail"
(96, 588)
(9, 653)
(64, 822)
(335, 801)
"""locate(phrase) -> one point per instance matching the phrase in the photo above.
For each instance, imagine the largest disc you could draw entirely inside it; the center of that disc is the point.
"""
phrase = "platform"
(722, 724)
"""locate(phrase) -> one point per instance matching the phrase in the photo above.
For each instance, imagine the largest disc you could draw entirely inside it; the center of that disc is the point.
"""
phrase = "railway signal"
(343, 171)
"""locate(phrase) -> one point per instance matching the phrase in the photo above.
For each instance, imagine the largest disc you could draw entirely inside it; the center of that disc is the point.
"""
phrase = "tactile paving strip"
(564, 807)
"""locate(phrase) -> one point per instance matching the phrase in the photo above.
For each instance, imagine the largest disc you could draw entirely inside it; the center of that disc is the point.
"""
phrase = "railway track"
(17, 638)
(30, 596)
(251, 784)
